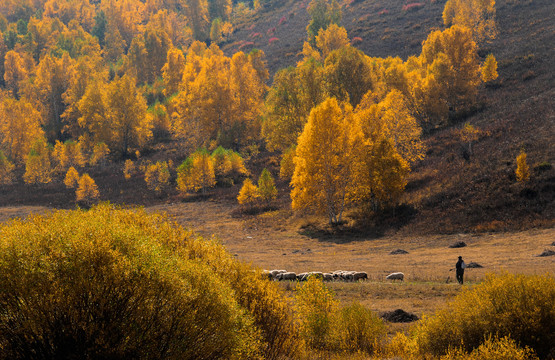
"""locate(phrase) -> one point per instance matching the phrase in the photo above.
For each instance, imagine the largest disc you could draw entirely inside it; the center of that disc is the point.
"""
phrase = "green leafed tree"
(266, 186)
(322, 14)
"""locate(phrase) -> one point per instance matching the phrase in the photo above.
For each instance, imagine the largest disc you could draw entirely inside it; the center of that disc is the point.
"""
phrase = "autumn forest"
(85, 83)
(184, 179)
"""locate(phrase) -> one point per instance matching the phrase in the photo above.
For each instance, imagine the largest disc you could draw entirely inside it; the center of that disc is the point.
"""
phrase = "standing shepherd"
(460, 266)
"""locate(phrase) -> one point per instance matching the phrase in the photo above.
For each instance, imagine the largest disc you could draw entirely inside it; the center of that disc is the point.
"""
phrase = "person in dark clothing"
(460, 266)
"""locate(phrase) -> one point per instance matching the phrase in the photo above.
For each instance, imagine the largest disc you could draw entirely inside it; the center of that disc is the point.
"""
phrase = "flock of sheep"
(339, 275)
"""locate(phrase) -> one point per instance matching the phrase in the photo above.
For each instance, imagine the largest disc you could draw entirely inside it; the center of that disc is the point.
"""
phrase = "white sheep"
(286, 276)
(275, 272)
(395, 276)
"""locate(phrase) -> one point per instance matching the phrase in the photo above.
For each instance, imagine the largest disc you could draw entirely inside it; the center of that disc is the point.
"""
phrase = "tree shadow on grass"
(362, 225)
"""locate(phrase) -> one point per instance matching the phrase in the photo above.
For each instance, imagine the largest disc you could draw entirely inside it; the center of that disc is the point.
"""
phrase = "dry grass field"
(280, 240)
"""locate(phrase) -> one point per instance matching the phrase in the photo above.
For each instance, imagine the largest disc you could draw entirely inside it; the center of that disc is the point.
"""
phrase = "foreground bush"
(316, 311)
(493, 349)
(324, 326)
(360, 329)
(517, 306)
(112, 283)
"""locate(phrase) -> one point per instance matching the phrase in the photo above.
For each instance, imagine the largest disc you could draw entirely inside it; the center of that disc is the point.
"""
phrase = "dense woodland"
(89, 83)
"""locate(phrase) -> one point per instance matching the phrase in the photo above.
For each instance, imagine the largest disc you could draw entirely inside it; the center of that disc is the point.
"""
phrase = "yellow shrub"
(493, 349)
(316, 309)
(359, 329)
(517, 306)
(108, 283)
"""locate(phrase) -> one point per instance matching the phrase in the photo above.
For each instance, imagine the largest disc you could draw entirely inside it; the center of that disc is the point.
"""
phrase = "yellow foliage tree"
(222, 161)
(348, 74)
(68, 154)
(198, 15)
(196, 173)
(38, 166)
(489, 69)
(72, 178)
(450, 66)
(157, 176)
(391, 118)
(248, 193)
(87, 191)
(20, 126)
(53, 79)
(477, 15)
(161, 126)
(221, 98)
(99, 154)
(147, 55)
(322, 13)
(126, 115)
(382, 174)
(92, 108)
(128, 169)
(216, 31)
(522, 168)
(14, 72)
(469, 134)
(325, 175)
(287, 165)
(66, 10)
(293, 94)
(172, 72)
(237, 164)
(330, 39)
(6, 170)
(86, 70)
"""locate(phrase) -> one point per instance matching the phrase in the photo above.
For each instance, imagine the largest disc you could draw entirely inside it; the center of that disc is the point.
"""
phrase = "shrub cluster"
(519, 307)
(325, 326)
(114, 283)
(493, 349)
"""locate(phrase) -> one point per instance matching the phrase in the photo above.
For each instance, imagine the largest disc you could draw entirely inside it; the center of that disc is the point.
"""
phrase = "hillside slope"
(449, 191)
